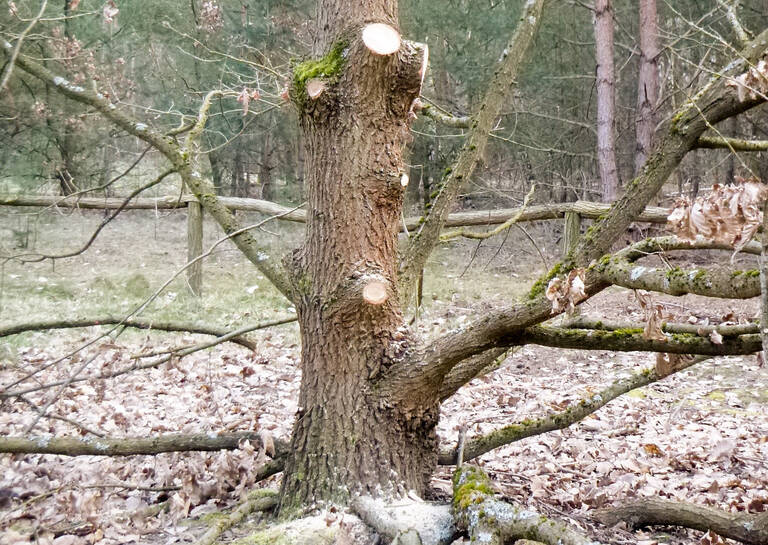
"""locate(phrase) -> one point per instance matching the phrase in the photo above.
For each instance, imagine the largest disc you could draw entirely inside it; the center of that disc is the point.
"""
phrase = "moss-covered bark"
(493, 522)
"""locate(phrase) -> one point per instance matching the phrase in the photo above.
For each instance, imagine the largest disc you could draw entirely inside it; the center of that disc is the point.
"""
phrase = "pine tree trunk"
(647, 83)
(606, 152)
(347, 437)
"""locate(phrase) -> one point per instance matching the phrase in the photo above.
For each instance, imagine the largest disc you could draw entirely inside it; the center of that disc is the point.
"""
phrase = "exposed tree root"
(407, 522)
(493, 522)
(750, 529)
(129, 446)
(261, 500)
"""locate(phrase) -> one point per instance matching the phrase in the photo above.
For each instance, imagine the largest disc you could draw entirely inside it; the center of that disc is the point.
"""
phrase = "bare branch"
(15, 52)
(130, 446)
(262, 500)
(474, 367)
(149, 365)
(434, 113)
(633, 341)
(709, 282)
(180, 160)
(137, 323)
(427, 236)
(730, 7)
(732, 144)
(575, 412)
(744, 527)
(713, 103)
(584, 322)
(102, 225)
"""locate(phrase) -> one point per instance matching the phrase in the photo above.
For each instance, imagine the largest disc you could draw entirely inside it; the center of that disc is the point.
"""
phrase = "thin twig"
(15, 53)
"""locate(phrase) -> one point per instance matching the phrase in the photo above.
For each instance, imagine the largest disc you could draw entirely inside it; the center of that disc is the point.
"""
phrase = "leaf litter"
(700, 435)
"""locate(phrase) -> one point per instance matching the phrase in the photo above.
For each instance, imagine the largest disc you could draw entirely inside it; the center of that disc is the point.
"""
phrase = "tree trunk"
(346, 437)
(606, 152)
(647, 83)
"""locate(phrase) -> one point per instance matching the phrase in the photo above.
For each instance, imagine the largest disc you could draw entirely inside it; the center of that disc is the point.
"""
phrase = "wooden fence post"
(195, 247)
(571, 231)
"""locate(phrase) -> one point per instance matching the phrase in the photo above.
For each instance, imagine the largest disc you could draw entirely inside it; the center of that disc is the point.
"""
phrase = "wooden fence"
(572, 214)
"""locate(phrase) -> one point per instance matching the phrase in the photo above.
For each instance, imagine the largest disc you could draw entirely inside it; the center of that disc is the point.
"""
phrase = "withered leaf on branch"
(752, 83)
(653, 316)
(666, 364)
(729, 214)
(566, 293)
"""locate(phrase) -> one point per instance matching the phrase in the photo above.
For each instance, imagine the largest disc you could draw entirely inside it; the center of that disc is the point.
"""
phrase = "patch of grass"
(137, 285)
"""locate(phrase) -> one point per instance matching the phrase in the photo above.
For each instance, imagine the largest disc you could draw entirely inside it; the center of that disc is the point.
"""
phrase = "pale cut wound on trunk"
(424, 65)
(375, 293)
(381, 39)
(315, 87)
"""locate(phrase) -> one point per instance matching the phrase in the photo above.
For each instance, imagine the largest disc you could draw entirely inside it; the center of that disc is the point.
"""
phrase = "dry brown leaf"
(653, 315)
(729, 214)
(711, 538)
(566, 293)
(666, 364)
(752, 83)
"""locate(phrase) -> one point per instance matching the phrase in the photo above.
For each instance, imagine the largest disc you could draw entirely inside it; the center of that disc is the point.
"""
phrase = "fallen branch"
(131, 446)
(714, 282)
(733, 144)
(584, 322)
(574, 413)
(634, 341)
(149, 365)
(262, 500)
(493, 522)
(744, 527)
(586, 209)
(434, 113)
(136, 323)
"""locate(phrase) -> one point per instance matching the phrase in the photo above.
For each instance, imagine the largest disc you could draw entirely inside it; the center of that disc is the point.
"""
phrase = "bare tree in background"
(606, 103)
(647, 82)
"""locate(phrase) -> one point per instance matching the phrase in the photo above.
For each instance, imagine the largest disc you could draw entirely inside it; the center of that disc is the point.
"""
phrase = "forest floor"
(700, 435)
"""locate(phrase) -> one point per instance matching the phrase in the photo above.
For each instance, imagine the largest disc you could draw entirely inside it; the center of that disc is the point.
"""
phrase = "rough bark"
(606, 102)
(750, 529)
(347, 438)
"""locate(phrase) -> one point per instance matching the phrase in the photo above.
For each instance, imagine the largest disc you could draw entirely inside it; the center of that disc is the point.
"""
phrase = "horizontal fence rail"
(572, 212)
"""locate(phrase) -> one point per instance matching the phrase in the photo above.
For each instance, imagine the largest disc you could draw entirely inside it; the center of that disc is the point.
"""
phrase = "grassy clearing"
(130, 260)
(141, 250)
